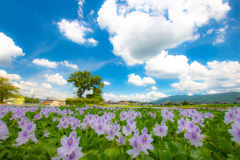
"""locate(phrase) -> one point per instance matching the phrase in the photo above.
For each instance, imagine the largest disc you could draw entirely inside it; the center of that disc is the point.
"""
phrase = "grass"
(183, 106)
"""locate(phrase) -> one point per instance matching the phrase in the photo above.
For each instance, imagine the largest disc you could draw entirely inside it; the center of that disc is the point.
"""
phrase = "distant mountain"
(209, 98)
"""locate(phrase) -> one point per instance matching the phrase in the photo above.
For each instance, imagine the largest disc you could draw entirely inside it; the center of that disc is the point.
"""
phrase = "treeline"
(82, 101)
(31, 100)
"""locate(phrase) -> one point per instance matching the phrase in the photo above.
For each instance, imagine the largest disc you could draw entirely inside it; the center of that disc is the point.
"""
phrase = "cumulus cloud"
(80, 10)
(215, 77)
(106, 83)
(139, 30)
(151, 96)
(25, 85)
(76, 32)
(56, 79)
(10, 76)
(138, 81)
(45, 63)
(46, 85)
(220, 37)
(153, 88)
(167, 66)
(65, 63)
(28, 83)
(8, 51)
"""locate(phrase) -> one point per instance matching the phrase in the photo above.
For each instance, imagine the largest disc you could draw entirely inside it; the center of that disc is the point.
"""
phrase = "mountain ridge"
(229, 97)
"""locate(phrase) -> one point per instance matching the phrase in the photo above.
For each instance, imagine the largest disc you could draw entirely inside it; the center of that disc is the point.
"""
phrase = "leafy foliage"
(7, 90)
(85, 81)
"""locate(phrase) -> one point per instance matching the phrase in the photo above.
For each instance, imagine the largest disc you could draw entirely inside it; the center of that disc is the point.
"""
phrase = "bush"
(82, 101)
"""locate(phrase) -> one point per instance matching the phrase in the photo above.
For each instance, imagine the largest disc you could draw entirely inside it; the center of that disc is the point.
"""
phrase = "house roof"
(51, 98)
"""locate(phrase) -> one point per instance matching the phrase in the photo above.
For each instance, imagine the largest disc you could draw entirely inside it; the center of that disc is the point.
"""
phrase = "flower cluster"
(3, 131)
(70, 149)
(193, 134)
(28, 129)
(140, 143)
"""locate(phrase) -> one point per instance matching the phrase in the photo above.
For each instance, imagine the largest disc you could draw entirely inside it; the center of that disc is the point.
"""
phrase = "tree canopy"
(85, 81)
(7, 90)
(31, 100)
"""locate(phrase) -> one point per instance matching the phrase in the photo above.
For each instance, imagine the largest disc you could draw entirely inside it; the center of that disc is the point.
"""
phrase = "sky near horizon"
(143, 49)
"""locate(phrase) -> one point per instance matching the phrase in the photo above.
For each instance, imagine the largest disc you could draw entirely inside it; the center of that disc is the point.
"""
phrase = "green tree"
(184, 103)
(85, 81)
(7, 90)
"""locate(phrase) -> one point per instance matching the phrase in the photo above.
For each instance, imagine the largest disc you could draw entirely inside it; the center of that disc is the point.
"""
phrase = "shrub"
(82, 101)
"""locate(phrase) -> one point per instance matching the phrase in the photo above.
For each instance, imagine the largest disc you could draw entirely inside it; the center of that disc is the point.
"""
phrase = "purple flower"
(127, 130)
(235, 132)
(3, 130)
(229, 116)
(111, 134)
(46, 134)
(190, 126)
(160, 130)
(100, 128)
(145, 141)
(182, 125)
(195, 138)
(121, 140)
(135, 143)
(69, 144)
(22, 138)
(75, 155)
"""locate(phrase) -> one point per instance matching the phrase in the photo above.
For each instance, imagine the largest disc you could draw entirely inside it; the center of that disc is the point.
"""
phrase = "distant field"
(183, 106)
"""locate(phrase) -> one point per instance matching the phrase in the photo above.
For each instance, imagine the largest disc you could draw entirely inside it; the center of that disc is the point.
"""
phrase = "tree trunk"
(81, 93)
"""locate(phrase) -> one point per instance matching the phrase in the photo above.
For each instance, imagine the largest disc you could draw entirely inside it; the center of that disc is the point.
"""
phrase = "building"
(122, 102)
(238, 100)
(15, 101)
(54, 102)
(59, 102)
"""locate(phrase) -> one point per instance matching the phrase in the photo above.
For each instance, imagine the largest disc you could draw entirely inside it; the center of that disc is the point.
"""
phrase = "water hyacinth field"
(91, 133)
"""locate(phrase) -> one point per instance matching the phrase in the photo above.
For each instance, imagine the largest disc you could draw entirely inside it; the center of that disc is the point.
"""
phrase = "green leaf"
(233, 157)
(102, 156)
(3, 152)
(195, 154)
(166, 155)
(51, 150)
(181, 155)
(205, 152)
(89, 157)
(112, 153)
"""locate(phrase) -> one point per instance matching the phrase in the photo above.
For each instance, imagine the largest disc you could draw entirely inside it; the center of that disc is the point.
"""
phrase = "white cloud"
(65, 63)
(46, 85)
(80, 10)
(92, 41)
(76, 32)
(210, 31)
(136, 80)
(153, 88)
(28, 83)
(167, 66)
(106, 83)
(45, 62)
(214, 77)
(56, 79)
(220, 37)
(139, 30)
(151, 96)
(8, 51)
(10, 76)
(25, 85)
(91, 13)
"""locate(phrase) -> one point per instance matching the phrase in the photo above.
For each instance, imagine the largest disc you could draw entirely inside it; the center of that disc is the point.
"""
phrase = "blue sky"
(144, 50)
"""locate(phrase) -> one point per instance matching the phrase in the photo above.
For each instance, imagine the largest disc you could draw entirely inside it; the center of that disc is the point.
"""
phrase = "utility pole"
(33, 96)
